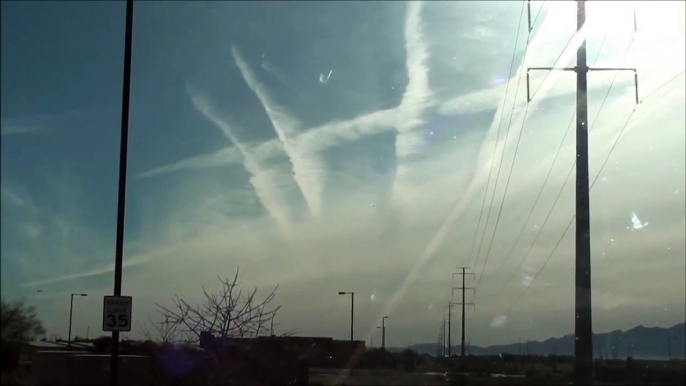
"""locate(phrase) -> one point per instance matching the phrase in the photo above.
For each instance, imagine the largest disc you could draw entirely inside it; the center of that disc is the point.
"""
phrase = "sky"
(345, 146)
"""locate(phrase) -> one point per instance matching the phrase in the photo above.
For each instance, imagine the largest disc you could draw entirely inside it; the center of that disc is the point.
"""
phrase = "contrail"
(16, 199)
(414, 100)
(308, 169)
(301, 147)
(14, 130)
(226, 156)
(263, 181)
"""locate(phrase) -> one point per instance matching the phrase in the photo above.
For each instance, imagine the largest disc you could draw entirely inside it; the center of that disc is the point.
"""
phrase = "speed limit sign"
(116, 313)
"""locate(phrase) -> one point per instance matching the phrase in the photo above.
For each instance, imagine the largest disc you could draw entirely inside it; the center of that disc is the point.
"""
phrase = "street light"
(40, 291)
(352, 311)
(71, 309)
(383, 333)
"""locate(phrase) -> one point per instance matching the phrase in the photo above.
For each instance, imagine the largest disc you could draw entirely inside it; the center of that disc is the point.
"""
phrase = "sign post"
(121, 196)
(116, 313)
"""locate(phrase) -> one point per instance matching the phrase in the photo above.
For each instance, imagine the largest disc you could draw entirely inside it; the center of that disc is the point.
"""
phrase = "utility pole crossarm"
(463, 274)
(528, 11)
(550, 69)
(575, 69)
(611, 69)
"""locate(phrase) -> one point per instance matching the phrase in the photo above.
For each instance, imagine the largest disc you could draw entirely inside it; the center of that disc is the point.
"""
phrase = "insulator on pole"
(528, 6)
(636, 85)
(528, 91)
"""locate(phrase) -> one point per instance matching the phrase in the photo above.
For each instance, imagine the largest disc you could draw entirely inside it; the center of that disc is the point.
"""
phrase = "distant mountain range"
(639, 342)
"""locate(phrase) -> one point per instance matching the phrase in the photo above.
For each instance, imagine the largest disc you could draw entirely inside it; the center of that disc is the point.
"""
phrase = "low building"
(317, 351)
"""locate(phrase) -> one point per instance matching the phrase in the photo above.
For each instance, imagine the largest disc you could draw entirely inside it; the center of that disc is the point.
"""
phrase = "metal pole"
(352, 315)
(438, 345)
(88, 330)
(445, 337)
(463, 318)
(450, 327)
(583, 328)
(442, 339)
(71, 309)
(383, 332)
(528, 10)
(669, 348)
(352, 324)
(121, 201)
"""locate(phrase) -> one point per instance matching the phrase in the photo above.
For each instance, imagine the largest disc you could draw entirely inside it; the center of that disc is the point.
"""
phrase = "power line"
(538, 14)
(488, 181)
(515, 157)
(507, 185)
(583, 311)
(547, 177)
(543, 266)
(500, 168)
(556, 60)
(595, 120)
(512, 168)
(613, 146)
(663, 85)
(559, 56)
(538, 197)
(571, 119)
(574, 217)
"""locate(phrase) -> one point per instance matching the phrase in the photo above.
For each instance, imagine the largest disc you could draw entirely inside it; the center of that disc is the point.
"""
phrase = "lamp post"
(352, 312)
(378, 328)
(45, 332)
(71, 311)
(383, 333)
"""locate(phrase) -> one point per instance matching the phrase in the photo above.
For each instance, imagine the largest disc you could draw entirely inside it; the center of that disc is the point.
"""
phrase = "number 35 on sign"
(116, 313)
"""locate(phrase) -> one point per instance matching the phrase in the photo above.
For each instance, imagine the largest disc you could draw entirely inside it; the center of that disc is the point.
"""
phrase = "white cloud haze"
(404, 253)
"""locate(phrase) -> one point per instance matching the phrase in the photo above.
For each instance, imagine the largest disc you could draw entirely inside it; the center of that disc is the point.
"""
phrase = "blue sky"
(324, 146)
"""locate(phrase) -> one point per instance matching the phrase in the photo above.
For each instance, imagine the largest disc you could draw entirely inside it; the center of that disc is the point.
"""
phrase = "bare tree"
(162, 331)
(226, 313)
